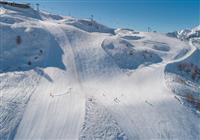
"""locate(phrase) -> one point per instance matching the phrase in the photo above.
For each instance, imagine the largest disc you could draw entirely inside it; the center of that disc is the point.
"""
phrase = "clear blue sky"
(161, 15)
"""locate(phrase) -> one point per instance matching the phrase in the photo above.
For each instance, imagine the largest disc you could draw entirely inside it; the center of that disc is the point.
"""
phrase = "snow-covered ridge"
(68, 78)
(88, 25)
(184, 78)
(25, 27)
(186, 33)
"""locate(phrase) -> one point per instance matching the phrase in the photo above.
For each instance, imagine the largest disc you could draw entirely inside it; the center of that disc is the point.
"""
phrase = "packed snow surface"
(67, 78)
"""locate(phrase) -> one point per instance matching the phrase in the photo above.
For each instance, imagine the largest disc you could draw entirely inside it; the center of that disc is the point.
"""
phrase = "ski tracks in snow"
(73, 117)
(99, 123)
(16, 90)
(61, 117)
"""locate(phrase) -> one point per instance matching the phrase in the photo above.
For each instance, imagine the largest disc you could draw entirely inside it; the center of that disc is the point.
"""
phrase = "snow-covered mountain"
(186, 34)
(68, 78)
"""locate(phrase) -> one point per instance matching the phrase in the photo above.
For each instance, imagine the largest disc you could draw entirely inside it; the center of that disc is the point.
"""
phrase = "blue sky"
(160, 15)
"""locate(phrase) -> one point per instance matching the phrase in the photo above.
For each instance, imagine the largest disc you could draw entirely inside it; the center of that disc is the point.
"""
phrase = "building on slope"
(13, 4)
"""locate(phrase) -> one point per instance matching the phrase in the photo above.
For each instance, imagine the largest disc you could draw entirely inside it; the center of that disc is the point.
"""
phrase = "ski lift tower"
(38, 5)
(149, 29)
(92, 18)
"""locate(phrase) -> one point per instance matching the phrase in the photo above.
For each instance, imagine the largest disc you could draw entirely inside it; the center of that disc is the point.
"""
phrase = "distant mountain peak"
(186, 34)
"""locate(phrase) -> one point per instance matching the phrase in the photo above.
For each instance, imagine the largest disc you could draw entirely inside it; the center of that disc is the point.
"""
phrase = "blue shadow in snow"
(43, 74)
(36, 56)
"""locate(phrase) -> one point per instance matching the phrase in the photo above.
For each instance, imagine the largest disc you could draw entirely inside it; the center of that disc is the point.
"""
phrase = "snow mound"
(29, 46)
(183, 77)
(125, 31)
(128, 34)
(89, 25)
(132, 37)
(127, 56)
(161, 47)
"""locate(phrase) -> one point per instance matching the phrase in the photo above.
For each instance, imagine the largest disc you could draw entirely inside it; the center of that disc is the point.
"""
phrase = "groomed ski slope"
(106, 85)
(61, 102)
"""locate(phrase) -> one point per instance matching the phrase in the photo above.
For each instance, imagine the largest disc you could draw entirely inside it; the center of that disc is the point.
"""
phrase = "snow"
(14, 97)
(99, 124)
(186, 34)
(24, 52)
(88, 25)
(67, 78)
(185, 74)
(126, 56)
(147, 110)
